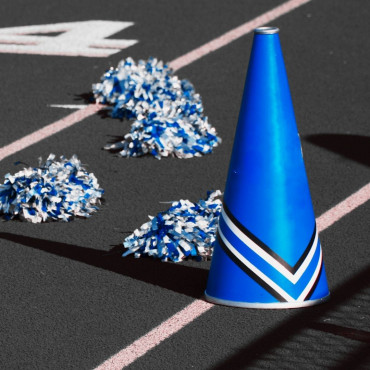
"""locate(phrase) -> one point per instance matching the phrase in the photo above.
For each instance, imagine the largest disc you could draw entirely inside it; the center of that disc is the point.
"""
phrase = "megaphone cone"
(267, 254)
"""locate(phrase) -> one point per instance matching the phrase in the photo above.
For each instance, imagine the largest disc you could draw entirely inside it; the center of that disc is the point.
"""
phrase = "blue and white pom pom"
(184, 230)
(168, 113)
(53, 191)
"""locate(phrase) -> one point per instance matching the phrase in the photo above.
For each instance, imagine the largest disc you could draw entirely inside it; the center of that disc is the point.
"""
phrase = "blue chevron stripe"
(295, 289)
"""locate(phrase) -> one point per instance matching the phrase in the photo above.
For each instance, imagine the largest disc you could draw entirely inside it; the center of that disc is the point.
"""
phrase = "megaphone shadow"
(271, 347)
(354, 147)
(178, 278)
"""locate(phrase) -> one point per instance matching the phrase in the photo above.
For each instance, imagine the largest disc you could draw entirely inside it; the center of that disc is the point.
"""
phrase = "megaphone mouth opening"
(266, 30)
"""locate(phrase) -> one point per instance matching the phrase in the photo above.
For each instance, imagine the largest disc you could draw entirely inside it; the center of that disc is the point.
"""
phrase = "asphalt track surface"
(69, 301)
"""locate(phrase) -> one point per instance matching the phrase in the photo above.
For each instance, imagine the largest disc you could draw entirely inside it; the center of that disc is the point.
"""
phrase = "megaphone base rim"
(272, 305)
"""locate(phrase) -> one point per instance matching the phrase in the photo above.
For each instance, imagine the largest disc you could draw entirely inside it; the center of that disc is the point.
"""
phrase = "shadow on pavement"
(305, 319)
(88, 98)
(354, 147)
(191, 282)
(178, 278)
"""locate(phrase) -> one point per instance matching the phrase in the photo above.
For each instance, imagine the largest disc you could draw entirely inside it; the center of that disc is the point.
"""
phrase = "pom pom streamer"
(53, 191)
(184, 230)
(168, 113)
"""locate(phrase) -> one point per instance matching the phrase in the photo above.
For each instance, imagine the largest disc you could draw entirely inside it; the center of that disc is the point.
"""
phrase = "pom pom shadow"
(182, 279)
(86, 97)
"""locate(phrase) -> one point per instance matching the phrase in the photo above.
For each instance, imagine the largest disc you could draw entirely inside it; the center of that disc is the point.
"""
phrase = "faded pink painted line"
(235, 33)
(145, 343)
(343, 208)
(49, 130)
(184, 317)
(55, 53)
(198, 307)
(176, 64)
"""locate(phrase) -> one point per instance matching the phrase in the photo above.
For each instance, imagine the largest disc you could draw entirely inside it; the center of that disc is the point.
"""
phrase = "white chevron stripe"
(309, 286)
(293, 278)
(260, 274)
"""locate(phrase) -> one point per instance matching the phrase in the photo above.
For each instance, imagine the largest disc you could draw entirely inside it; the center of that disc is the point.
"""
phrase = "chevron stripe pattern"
(285, 282)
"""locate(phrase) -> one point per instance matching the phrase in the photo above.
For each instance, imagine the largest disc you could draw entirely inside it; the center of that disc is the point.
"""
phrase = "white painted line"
(68, 106)
(48, 130)
(235, 33)
(85, 38)
(182, 318)
(175, 64)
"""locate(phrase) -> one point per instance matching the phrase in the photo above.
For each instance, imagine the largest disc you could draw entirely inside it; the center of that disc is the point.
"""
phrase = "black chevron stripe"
(309, 294)
(267, 249)
(248, 271)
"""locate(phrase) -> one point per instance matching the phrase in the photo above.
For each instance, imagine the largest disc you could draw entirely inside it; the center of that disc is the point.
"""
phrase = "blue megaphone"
(267, 253)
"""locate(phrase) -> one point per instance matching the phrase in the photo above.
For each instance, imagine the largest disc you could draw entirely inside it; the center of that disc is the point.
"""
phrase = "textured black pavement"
(69, 301)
